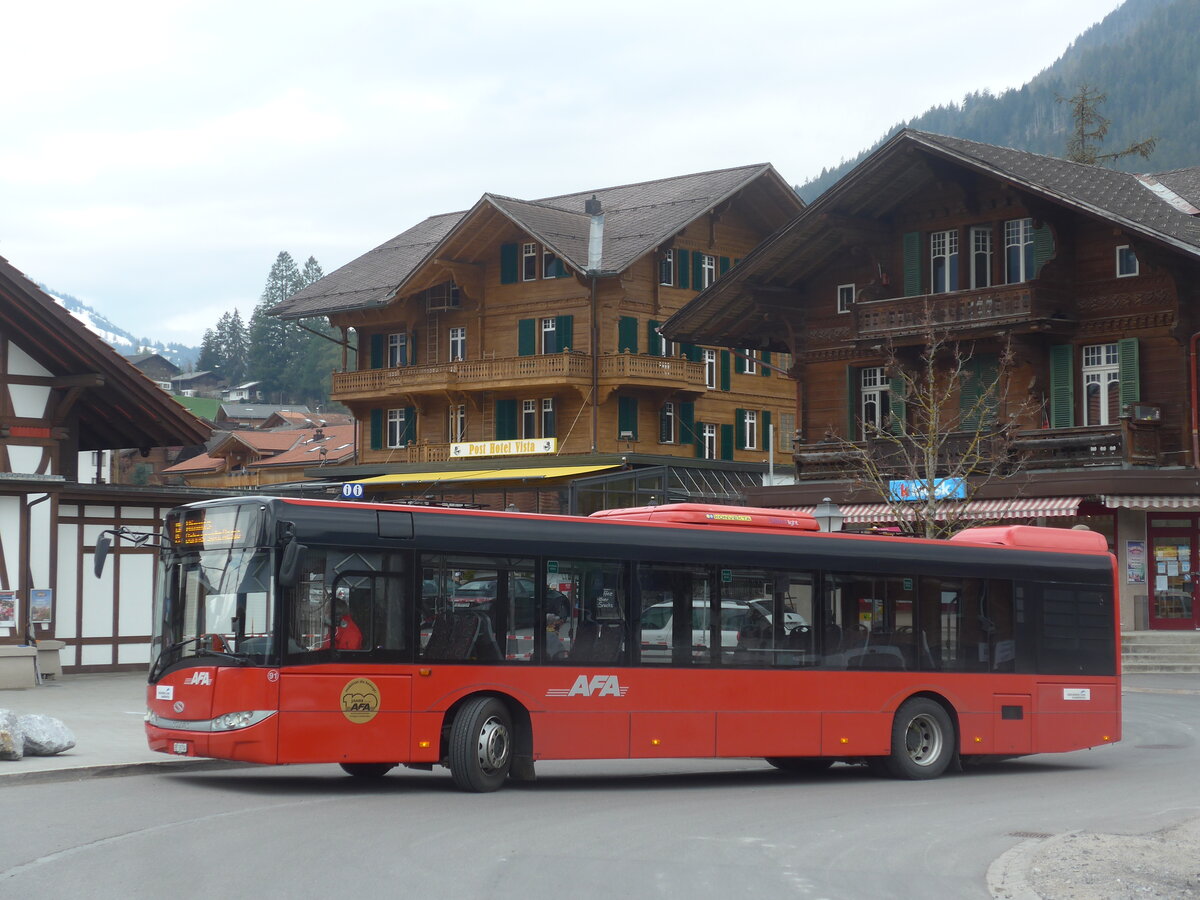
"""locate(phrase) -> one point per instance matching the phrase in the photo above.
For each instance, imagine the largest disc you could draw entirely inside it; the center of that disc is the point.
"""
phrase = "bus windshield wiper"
(170, 650)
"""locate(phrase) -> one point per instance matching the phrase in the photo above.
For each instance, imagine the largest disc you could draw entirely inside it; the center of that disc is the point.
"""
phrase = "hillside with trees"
(1144, 57)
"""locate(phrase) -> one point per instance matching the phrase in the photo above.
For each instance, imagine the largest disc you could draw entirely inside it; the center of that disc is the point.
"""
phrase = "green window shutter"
(896, 416)
(1062, 386)
(627, 416)
(968, 396)
(912, 264)
(724, 382)
(687, 423)
(1127, 360)
(695, 353)
(653, 340)
(408, 434)
(526, 339)
(852, 384)
(627, 334)
(508, 263)
(564, 330)
(1043, 248)
(766, 363)
(377, 351)
(726, 449)
(739, 422)
(739, 364)
(723, 265)
(697, 270)
(980, 378)
(681, 268)
(765, 418)
(377, 429)
(506, 420)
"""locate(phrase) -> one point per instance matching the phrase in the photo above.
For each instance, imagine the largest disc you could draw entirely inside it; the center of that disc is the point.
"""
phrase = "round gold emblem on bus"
(360, 700)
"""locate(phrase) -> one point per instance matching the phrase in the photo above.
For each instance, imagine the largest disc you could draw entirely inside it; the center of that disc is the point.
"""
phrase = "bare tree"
(952, 413)
(1091, 128)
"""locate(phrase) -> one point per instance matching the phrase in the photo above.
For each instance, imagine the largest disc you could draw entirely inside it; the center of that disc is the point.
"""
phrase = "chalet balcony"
(1015, 307)
(568, 369)
(1127, 444)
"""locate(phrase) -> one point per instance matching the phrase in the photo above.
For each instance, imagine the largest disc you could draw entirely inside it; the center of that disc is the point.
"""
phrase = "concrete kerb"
(114, 770)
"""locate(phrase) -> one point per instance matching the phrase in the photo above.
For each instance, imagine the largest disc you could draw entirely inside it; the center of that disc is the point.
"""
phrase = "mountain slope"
(1144, 56)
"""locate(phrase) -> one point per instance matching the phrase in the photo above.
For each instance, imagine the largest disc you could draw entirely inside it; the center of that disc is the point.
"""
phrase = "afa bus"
(377, 635)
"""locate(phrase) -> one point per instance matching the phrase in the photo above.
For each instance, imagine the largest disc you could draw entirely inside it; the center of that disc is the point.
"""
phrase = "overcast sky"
(157, 156)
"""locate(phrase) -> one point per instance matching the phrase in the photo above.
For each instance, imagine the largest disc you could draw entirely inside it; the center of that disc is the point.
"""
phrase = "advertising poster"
(41, 604)
(1135, 562)
(8, 609)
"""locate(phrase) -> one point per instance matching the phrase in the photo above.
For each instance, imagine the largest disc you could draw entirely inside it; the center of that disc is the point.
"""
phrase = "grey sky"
(158, 155)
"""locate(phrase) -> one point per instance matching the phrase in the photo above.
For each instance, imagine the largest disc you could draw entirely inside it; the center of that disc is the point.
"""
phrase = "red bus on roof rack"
(371, 635)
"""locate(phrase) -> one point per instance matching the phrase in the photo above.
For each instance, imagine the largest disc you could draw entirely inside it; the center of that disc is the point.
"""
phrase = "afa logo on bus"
(596, 686)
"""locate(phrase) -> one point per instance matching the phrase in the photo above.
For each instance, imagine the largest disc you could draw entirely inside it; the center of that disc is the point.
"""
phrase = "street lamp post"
(829, 516)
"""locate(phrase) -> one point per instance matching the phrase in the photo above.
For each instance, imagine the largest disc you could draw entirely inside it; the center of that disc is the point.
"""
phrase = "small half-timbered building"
(1077, 285)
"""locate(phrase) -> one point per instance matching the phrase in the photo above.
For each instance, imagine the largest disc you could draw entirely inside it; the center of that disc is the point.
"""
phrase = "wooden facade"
(1083, 281)
(506, 330)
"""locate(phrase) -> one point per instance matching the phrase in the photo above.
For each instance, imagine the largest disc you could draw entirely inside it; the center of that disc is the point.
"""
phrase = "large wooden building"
(1090, 277)
(63, 393)
(516, 344)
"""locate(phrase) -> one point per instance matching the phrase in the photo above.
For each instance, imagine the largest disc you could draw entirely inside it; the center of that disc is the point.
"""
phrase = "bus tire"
(800, 765)
(922, 740)
(481, 745)
(367, 770)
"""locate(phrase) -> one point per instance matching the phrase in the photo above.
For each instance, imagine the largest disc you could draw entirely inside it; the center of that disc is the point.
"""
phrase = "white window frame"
(456, 425)
(549, 327)
(710, 369)
(845, 297)
(873, 397)
(397, 350)
(1018, 233)
(750, 363)
(666, 267)
(396, 421)
(529, 419)
(458, 343)
(943, 245)
(1125, 254)
(529, 261)
(981, 245)
(666, 417)
(1101, 369)
(548, 258)
(708, 440)
(547, 420)
(708, 270)
(750, 432)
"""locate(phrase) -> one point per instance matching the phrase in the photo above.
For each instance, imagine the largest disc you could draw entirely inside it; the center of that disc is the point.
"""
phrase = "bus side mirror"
(102, 544)
(289, 566)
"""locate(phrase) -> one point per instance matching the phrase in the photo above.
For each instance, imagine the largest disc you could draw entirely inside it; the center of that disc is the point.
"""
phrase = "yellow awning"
(536, 473)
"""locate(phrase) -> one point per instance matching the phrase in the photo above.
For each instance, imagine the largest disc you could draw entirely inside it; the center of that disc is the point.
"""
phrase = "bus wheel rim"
(493, 746)
(923, 740)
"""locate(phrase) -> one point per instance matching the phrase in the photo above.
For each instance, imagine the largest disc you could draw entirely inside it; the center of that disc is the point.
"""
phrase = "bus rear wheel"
(367, 770)
(922, 740)
(800, 765)
(481, 745)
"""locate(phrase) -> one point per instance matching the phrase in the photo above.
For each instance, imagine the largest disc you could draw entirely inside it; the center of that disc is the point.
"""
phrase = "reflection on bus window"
(478, 609)
(586, 612)
(347, 601)
(675, 625)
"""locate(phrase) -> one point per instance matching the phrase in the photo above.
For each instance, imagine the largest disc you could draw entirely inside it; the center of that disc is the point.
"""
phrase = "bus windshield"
(215, 603)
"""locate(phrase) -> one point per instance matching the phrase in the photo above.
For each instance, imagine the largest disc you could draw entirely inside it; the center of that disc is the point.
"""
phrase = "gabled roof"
(637, 218)
(338, 443)
(298, 447)
(120, 407)
(259, 410)
(728, 312)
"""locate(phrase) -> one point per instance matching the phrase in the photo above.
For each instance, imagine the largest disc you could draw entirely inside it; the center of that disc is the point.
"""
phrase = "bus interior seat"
(485, 646)
(584, 643)
(462, 638)
(608, 644)
(440, 637)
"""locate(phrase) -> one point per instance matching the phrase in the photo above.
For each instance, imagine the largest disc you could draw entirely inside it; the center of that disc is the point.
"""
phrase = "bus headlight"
(227, 722)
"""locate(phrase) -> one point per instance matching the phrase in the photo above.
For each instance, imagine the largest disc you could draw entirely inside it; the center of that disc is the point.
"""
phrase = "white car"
(656, 625)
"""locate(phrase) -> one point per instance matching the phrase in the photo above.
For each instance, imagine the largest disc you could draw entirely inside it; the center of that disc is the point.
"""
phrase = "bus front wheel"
(922, 740)
(481, 745)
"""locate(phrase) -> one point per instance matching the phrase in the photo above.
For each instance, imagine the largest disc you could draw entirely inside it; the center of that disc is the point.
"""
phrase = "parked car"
(736, 615)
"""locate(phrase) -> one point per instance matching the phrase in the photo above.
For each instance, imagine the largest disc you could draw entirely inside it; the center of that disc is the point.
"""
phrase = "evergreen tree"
(210, 352)
(1083, 146)
(312, 271)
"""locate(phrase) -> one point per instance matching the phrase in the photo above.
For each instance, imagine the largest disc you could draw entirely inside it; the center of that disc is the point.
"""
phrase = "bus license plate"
(180, 747)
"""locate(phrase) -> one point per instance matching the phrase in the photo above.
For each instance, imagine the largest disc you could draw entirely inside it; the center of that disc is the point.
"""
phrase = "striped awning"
(1162, 501)
(1009, 508)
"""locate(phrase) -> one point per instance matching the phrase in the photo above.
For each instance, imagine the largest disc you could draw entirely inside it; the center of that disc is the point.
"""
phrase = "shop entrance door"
(1172, 567)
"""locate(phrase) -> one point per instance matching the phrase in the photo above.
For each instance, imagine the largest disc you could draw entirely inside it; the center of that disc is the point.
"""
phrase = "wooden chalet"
(63, 393)
(249, 460)
(1090, 276)
(516, 344)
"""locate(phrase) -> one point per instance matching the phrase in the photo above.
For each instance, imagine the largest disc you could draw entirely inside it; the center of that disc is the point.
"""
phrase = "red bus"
(377, 635)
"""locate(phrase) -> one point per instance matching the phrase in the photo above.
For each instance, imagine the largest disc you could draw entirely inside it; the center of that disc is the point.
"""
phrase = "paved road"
(694, 829)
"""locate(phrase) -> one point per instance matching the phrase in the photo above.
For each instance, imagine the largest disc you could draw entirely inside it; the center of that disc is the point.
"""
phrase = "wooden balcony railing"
(1128, 443)
(568, 368)
(1014, 305)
